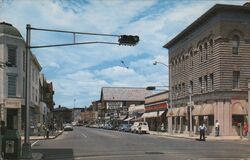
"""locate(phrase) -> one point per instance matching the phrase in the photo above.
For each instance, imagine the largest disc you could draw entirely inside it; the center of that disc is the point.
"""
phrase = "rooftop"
(124, 94)
(7, 28)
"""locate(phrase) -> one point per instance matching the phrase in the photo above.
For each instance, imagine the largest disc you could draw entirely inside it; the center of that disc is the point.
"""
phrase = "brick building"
(212, 58)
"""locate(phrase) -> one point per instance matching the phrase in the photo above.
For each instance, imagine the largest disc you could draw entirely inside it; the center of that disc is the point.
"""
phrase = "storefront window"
(237, 119)
(211, 120)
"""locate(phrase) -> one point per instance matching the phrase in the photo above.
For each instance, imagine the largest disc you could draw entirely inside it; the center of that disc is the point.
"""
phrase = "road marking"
(84, 135)
(34, 143)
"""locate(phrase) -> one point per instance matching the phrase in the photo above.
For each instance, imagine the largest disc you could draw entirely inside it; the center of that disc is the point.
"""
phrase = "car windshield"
(125, 79)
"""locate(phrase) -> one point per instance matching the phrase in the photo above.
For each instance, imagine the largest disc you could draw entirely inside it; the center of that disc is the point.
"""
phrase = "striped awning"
(174, 112)
(208, 109)
(152, 114)
(197, 111)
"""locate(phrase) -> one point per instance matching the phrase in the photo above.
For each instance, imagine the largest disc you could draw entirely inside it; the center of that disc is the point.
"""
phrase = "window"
(12, 55)
(200, 50)
(211, 120)
(235, 44)
(12, 85)
(206, 83)
(33, 92)
(236, 79)
(191, 87)
(206, 54)
(191, 59)
(200, 82)
(24, 62)
(211, 47)
(24, 88)
(211, 81)
(183, 88)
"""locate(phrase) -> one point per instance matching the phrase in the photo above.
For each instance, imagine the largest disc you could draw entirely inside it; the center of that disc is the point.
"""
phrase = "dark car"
(124, 127)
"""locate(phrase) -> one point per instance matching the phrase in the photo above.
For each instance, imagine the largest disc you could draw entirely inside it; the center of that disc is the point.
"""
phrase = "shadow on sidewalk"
(55, 153)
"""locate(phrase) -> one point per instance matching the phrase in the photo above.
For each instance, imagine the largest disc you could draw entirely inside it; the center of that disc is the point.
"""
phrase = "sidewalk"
(56, 134)
(194, 137)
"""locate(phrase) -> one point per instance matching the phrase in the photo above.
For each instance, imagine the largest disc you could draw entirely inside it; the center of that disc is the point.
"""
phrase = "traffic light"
(128, 40)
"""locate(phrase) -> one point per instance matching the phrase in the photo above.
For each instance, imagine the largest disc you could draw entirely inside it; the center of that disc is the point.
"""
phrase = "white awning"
(122, 117)
(129, 118)
(152, 114)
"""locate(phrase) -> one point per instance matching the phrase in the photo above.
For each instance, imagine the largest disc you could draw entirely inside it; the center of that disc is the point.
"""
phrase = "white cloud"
(80, 71)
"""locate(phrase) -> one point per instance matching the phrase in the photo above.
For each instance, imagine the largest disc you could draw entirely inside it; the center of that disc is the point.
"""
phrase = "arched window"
(200, 51)
(236, 44)
(206, 54)
(211, 50)
(191, 59)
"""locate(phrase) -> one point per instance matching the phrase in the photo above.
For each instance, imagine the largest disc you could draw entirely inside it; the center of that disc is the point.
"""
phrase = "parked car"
(68, 127)
(140, 127)
(124, 127)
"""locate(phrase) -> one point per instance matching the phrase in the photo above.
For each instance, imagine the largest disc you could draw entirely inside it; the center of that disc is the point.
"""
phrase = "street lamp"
(170, 128)
(122, 40)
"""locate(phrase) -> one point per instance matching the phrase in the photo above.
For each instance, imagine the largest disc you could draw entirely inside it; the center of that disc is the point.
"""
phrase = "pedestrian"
(202, 129)
(217, 128)
(245, 129)
(44, 130)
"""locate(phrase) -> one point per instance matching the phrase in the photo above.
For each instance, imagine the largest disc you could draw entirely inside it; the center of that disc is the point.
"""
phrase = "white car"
(68, 127)
(140, 127)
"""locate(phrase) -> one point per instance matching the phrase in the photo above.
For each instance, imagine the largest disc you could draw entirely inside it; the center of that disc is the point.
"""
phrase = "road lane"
(91, 143)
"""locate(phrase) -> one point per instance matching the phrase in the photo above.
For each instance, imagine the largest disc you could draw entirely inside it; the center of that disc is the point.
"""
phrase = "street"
(98, 144)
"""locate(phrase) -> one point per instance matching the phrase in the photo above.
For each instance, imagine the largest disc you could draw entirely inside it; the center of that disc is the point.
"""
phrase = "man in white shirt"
(202, 129)
(217, 128)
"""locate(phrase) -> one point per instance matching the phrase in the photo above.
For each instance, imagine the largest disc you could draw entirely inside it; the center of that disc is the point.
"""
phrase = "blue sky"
(79, 72)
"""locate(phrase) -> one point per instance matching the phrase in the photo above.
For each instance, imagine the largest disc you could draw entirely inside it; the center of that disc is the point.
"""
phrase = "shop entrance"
(12, 119)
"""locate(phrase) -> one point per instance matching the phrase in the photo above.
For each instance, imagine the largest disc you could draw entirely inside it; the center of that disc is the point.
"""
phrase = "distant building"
(211, 57)
(76, 114)
(62, 115)
(116, 100)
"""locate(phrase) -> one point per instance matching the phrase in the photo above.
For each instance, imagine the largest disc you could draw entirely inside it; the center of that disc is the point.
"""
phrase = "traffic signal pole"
(123, 40)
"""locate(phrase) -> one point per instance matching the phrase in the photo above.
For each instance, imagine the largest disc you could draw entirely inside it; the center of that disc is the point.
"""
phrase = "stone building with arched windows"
(210, 60)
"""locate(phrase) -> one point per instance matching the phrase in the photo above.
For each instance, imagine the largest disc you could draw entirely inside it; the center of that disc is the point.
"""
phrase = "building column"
(170, 126)
(175, 124)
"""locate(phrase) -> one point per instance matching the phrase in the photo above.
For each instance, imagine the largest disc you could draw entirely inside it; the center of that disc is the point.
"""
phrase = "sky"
(79, 72)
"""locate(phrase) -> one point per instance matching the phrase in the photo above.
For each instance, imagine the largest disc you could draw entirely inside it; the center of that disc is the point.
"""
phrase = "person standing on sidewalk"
(245, 129)
(202, 129)
(217, 128)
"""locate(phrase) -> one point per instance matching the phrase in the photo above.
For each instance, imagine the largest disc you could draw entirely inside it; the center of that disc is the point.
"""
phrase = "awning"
(183, 111)
(197, 111)
(152, 114)
(238, 109)
(208, 109)
(129, 118)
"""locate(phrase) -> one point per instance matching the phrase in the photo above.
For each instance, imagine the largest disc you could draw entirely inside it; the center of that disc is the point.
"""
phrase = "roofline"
(211, 12)
(126, 87)
(36, 62)
(167, 91)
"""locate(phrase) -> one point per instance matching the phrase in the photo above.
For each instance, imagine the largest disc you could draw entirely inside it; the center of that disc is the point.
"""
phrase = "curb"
(196, 138)
(35, 139)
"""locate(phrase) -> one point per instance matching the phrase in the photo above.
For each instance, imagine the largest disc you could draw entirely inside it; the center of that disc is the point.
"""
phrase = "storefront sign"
(13, 103)
(114, 105)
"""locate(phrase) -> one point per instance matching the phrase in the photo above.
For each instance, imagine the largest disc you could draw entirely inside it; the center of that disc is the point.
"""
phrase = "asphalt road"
(97, 144)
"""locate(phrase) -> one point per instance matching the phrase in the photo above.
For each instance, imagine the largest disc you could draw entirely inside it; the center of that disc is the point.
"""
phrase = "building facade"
(156, 108)
(210, 60)
(12, 79)
(115, 101)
